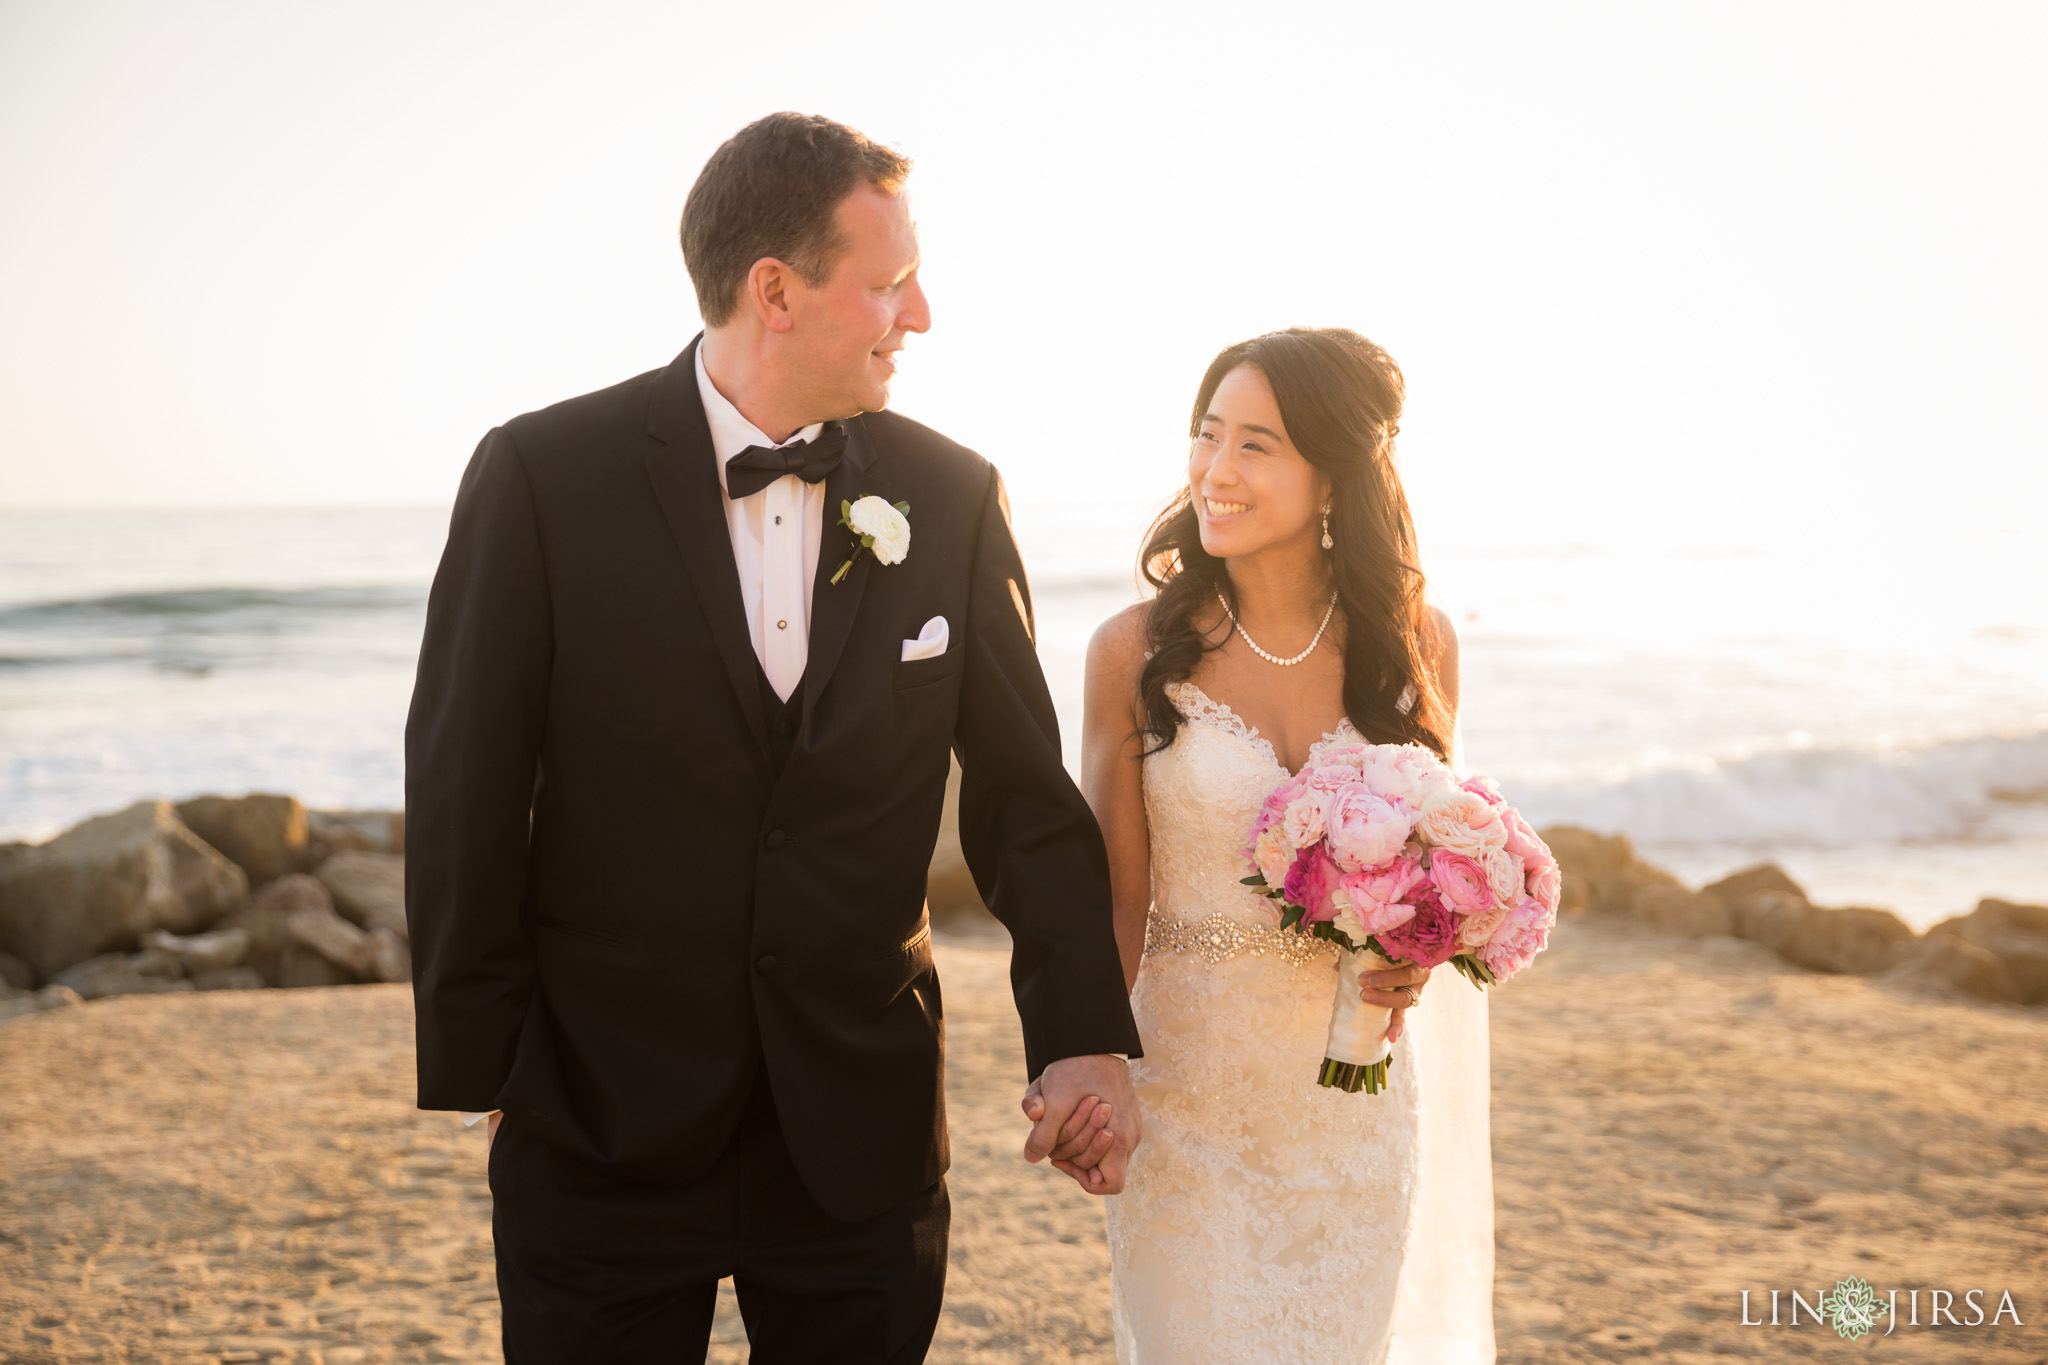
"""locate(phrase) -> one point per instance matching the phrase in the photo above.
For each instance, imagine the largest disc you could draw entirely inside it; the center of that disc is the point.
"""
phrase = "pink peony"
(1379, 897)
(1427, 937)
(1461, 882)
(1364, 830)
(1522, 934)
(1334, 765)
(1309, 884)
(1405, 774)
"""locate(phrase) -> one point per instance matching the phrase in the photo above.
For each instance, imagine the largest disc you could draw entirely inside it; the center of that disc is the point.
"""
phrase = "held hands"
(1396, 989)
(1084, 1118)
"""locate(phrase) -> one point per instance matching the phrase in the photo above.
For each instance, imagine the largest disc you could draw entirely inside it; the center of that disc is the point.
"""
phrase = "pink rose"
(1310, 883)
(1546, 884)
(1276, 805)
(1303, 822)
(1272, 855)
(1427, 937)
(1461, 822)
(1503, 876)
(1479, 927)
(1485, 788)
(1523, 841)
(1461, 882)
(1523, 933)
(1378, 898)
(1364, 830)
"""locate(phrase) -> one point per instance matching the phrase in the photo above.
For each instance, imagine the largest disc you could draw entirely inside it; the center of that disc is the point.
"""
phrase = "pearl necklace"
(1328, 612)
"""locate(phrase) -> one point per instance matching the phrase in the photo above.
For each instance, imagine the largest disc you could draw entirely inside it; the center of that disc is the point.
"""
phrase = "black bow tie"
(754, 468)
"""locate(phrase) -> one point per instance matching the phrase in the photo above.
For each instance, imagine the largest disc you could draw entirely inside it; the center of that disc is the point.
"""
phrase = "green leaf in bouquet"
(1256, 879)
(903, 507)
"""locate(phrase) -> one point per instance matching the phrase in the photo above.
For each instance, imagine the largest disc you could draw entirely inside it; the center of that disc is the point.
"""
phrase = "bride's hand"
(1397, 989)
(1083, 1135)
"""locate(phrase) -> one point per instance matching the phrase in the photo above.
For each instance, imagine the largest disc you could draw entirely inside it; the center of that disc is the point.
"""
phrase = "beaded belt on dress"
(1218, 938)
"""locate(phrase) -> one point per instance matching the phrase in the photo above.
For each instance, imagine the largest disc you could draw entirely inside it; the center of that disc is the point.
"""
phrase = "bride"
(1266, 1218)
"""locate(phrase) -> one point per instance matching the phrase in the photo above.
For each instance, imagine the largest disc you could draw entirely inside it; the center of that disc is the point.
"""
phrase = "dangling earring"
(1328, 544)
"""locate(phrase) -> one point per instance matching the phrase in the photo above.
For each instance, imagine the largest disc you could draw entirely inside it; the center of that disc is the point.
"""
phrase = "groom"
(673, 779)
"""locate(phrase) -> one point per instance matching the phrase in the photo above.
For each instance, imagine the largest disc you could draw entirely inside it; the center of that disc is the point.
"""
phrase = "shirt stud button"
(782, 625)
(778, 521)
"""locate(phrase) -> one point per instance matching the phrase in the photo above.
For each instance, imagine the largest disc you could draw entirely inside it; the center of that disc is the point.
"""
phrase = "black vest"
(784, 718)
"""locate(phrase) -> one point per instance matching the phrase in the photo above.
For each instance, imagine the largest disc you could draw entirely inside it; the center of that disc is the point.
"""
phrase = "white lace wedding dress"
(1265, 1218)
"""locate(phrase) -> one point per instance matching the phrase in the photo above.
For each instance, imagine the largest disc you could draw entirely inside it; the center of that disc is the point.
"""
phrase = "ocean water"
(1880, 730)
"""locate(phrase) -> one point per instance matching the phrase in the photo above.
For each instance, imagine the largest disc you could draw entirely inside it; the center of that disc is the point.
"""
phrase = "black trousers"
(591, 1270)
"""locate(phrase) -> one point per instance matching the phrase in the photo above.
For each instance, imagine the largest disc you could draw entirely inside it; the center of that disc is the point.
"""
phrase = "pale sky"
(1679, 273)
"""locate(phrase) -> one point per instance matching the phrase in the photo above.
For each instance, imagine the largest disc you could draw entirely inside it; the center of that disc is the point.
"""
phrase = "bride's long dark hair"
(1340, 398)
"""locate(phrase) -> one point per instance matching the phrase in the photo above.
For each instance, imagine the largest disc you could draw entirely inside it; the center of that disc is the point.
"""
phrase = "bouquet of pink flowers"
(1380, 850)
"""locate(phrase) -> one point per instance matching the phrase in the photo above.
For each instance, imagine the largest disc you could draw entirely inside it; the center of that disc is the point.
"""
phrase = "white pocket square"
(930, 642)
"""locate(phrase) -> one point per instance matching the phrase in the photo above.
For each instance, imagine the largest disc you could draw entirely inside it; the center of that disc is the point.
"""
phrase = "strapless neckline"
(1220, 715)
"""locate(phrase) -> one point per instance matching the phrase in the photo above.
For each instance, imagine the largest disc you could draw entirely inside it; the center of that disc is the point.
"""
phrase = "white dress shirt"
(775, 538)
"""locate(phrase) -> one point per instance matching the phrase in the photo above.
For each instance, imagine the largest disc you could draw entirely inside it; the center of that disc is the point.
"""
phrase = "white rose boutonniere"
(883, 529)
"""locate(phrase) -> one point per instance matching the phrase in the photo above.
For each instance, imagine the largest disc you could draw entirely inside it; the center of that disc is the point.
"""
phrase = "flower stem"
(1352, 1077)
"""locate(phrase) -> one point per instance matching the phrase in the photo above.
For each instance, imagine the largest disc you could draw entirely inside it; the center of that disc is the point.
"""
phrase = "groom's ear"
(766, 292)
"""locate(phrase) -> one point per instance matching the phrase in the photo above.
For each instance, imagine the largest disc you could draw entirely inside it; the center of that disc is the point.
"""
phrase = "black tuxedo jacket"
(619, 911)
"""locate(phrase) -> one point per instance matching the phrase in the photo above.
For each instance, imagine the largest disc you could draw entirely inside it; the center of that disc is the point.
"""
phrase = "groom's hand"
(1085, 1118)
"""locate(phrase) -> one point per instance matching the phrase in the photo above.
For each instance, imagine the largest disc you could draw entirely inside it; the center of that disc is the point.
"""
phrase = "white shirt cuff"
(470, 1120)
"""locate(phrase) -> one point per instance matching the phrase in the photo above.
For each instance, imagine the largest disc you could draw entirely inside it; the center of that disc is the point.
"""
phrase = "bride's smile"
(1253, 491)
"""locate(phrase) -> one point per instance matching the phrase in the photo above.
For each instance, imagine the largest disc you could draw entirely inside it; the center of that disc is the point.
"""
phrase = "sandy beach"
(241, 1176)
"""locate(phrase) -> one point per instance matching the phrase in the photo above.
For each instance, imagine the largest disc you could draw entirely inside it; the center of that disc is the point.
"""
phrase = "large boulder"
(100, 886)
(264, 835)
(354, 831)
(50, 997)
(16, 973)
(2016, 935)
(368, 889)
(1949, 963)
(209, 952)
(1681, 911)
(1853, 940)
(266, 918)
(1737, 889)
(121, 974)
(390, 956)
(333, 938)
(1601, 871)
(230, 979)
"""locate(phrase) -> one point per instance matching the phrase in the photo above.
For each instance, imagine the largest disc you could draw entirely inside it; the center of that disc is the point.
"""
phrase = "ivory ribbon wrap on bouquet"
(1356, 1056)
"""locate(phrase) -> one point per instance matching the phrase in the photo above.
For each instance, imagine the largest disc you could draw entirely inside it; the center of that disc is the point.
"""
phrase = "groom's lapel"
(685, 480)
(833, 605)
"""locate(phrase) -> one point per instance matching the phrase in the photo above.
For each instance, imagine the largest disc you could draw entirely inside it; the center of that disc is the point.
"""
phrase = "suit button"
(766, 965)
(776, 839)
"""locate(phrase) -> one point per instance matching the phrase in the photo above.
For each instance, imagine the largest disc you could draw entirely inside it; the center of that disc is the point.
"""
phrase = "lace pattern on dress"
(1264, 1218)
